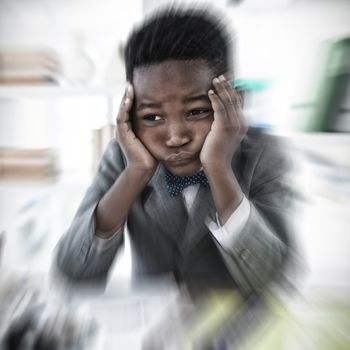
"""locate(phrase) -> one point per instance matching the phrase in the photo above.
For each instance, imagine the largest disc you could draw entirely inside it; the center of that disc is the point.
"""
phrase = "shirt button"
(245, 254)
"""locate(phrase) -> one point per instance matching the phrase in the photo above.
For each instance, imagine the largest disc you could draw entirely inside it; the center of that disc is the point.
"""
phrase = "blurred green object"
(322, 324)
(331, 111)
(251, 84)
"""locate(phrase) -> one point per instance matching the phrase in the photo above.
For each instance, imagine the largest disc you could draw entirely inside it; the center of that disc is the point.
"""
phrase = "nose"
(178, 135)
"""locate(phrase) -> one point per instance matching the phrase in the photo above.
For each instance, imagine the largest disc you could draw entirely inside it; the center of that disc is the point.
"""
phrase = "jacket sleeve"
(77, 253)
(259, 253)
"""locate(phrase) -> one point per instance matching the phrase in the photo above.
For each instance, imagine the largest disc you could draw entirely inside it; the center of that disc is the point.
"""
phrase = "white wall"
(286, 44)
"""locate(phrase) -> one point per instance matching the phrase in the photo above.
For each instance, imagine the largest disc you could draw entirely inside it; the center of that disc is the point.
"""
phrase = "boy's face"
(173, 112)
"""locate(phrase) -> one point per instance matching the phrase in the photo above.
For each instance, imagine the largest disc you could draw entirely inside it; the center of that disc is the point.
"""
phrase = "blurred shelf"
(330, 149)
(332, 137)
(11, 92)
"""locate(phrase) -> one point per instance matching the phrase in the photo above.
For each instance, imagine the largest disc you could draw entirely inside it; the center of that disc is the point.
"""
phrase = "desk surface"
(159, 314)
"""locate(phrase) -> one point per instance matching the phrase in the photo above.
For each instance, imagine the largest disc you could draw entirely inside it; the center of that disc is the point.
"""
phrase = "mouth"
(180, 158)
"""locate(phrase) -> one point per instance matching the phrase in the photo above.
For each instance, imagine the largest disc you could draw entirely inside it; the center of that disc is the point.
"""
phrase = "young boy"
(204, 198)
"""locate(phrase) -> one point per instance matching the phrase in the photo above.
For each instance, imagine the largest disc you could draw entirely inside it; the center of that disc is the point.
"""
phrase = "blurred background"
(62, 79)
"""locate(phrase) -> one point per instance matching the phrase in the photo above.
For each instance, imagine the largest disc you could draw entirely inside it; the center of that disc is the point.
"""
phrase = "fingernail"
(211, 92)
(222, 78)
(216, 80)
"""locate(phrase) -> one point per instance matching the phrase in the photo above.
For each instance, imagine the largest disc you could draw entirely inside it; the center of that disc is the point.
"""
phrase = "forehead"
(173, 77)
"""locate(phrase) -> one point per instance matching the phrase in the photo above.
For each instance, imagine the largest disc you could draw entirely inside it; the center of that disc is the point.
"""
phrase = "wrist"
(225, 189)
(139, 175)
(215, 168)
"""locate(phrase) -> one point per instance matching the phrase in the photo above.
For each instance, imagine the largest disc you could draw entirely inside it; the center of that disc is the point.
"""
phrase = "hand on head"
(228, 128)
(138, 157)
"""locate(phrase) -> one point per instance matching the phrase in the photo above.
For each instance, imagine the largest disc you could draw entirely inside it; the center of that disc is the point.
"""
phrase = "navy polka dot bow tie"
(175, 184)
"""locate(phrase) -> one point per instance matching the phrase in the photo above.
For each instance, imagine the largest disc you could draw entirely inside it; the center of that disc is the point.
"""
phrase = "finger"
(130, 91)
(230, 100)
(220, 114)
(123, 118)
(124, 96)
(235, 98)
(128, 95)
(233, 103)
(241, 95)
(223, 95)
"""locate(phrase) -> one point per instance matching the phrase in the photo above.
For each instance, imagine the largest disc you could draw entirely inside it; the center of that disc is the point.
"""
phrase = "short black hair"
(180, 34)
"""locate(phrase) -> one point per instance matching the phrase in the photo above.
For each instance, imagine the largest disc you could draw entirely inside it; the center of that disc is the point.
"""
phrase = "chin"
(184, 170)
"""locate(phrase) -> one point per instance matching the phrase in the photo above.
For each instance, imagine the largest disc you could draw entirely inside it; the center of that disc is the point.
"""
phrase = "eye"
(199, 113)
(152, 118)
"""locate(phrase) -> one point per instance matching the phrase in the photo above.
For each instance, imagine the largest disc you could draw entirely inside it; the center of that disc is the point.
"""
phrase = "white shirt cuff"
(102, 244)
(227, 233)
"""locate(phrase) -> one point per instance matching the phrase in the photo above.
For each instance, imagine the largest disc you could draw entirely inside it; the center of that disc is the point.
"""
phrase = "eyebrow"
(202, 97)
(144, 105)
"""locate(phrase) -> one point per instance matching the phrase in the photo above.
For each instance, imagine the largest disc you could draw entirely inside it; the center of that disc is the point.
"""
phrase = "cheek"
(150, 138)
(203, 128)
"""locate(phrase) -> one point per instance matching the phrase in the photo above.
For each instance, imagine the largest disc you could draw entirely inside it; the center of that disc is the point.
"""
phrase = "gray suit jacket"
(166, 239)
